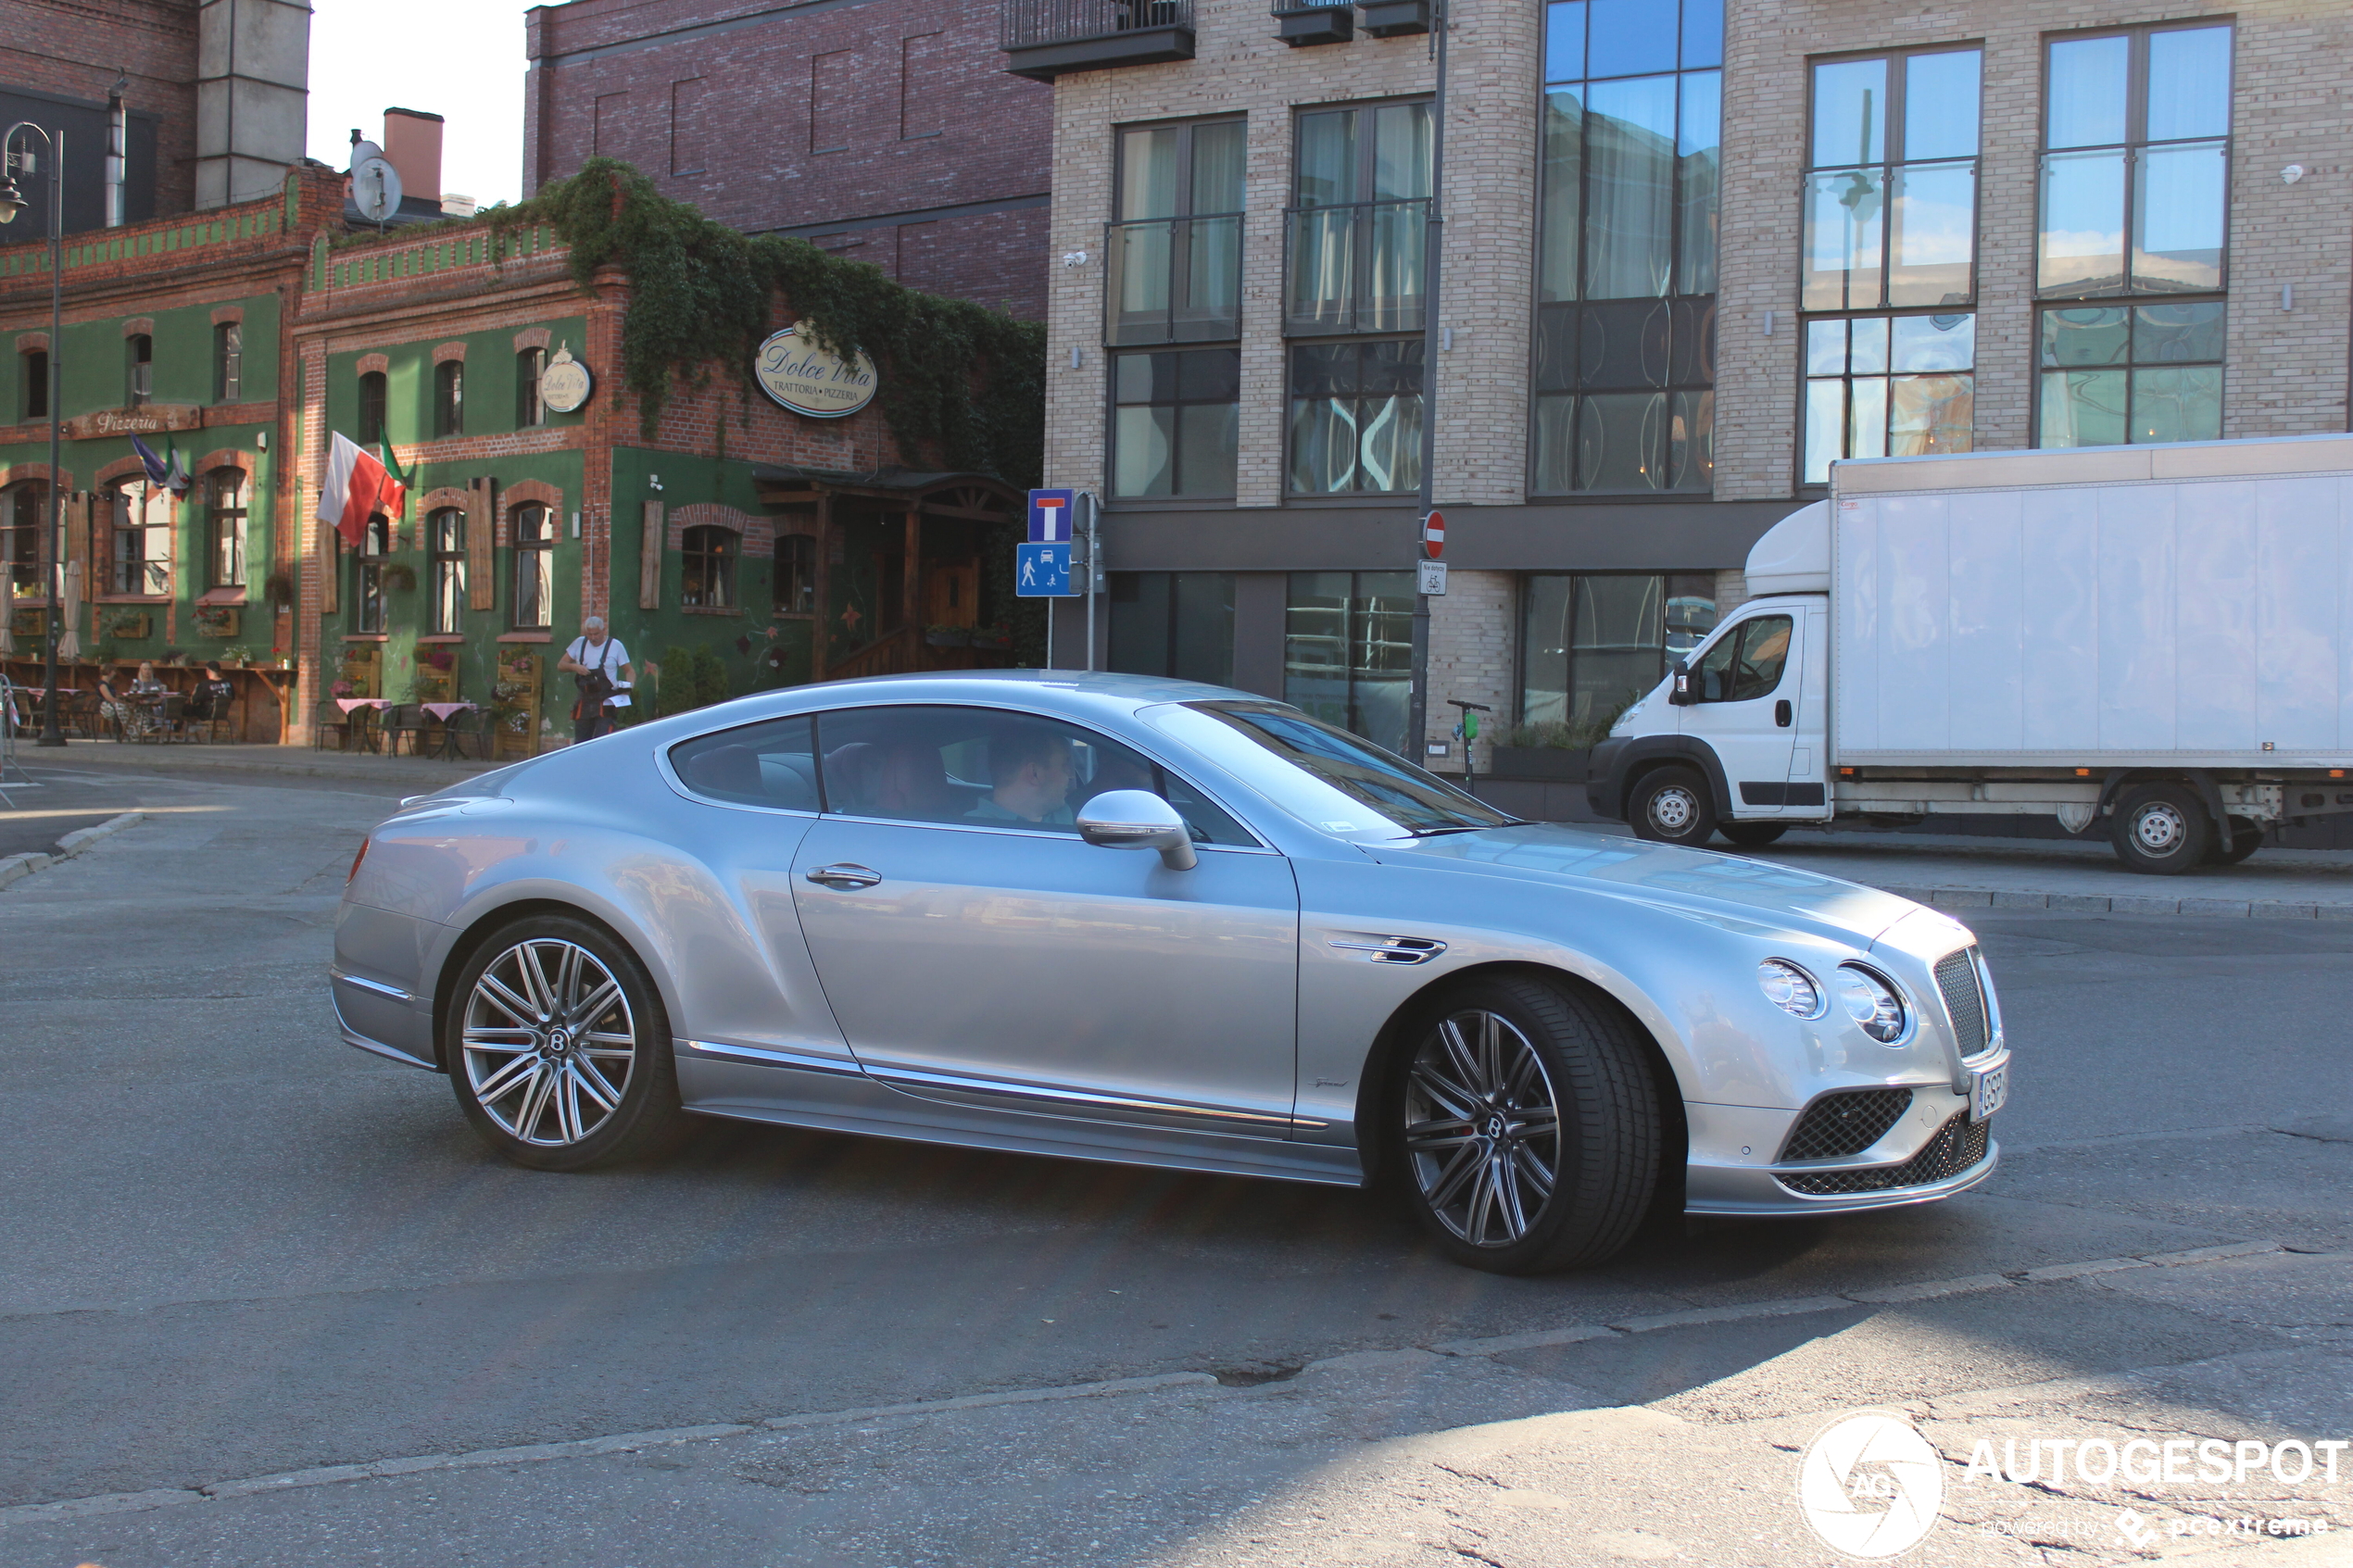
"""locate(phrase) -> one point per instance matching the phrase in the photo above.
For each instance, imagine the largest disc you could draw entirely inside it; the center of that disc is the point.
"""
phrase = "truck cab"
(1734, 738)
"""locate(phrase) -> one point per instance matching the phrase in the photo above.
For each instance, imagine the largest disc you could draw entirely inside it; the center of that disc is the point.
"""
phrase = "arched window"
(535, 600)
(372, 408)
(449, 398)
(528, 410)
(26, 509)
(445, 531)
(140, 351)
(711, 568)
(142, 530)
(369, 601)
(225, 494)
(796, 574)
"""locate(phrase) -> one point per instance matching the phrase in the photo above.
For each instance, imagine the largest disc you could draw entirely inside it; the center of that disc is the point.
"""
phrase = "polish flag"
(356, 488)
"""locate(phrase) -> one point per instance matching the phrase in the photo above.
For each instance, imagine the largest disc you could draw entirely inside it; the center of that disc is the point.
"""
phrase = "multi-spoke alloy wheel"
(1524, 1123)
(557, 1046)
(1482, 1128)
(548, 1042)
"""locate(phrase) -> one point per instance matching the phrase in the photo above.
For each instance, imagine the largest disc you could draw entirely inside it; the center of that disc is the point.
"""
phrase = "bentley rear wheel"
(559, 1051)
(1526, 1123)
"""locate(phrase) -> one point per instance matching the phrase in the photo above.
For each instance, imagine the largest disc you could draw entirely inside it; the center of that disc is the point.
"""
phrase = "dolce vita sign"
(809, 379)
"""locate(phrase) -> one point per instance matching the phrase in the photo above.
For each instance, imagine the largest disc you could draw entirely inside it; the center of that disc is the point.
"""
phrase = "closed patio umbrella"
(70, 640)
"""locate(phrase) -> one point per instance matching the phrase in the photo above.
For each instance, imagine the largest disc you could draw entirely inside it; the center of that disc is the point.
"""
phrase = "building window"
(1626, 247)
(37, 383)
(534, 601)
(710, 579)
(796, 574)
(139, 351)
(445, 534)
(1891, 188)
(1360, 201)
(528, 410)
(1175, 250)
(372, 408)
(2119, 373)
(1348, 650)
(1355, 418)
(225, 500)
(449, 398)
(24, 510)
(227, 361)
(368, 568)
(2136, 154)
(142, 530)
(1177, 623)
(1175, 422)
(1887, 386)
(1590, 644)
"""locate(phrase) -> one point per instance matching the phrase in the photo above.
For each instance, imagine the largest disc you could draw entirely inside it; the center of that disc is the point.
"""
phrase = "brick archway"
(521, 492)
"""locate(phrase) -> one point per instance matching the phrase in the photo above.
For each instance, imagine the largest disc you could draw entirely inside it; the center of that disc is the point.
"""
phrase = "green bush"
(691, 677)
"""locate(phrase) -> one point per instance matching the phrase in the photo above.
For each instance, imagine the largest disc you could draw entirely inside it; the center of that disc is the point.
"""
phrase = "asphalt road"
(237, 1247)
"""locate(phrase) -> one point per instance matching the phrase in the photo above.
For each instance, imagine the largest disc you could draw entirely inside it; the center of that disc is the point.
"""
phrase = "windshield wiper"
(1472, 827)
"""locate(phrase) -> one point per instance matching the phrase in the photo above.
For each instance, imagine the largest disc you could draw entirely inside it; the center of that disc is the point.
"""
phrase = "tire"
(535, 1074)
(1671, 806)
(1512, 1089)
(2245, 839)
(2160, 830)
(1751, 835)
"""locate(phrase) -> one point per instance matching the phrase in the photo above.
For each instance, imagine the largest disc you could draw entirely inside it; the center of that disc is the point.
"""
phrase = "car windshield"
(1324, 775)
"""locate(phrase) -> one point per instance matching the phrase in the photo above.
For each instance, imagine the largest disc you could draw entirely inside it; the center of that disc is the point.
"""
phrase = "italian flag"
(356, 487)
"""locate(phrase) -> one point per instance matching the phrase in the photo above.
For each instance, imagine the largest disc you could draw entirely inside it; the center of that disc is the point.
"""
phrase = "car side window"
(1746, 661)
(988, 767)
(773, 763)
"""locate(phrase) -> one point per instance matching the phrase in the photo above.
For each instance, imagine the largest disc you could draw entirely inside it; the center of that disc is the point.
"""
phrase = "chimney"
(412, 145)
(253, 94)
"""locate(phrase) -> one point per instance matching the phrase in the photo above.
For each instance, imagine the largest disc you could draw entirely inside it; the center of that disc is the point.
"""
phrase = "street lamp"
(12, 201)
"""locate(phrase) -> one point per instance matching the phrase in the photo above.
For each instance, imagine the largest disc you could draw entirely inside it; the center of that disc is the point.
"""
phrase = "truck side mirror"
(1680, 693)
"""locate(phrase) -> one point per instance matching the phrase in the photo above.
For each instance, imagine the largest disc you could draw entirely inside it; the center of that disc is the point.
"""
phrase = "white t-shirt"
(610, 658)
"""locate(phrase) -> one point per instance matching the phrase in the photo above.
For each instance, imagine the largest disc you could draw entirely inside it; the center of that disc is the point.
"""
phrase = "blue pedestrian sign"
(1051, 515)
(1041, 570)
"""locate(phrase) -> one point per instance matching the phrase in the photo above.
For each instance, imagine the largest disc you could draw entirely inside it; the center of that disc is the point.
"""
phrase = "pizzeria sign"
(799, 374)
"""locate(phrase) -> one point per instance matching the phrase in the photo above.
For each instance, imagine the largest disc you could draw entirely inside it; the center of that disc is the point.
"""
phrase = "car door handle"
(1782, 713)
(843, 877)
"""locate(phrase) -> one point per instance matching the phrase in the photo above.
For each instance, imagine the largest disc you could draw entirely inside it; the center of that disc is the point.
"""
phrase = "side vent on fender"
(1389, 949)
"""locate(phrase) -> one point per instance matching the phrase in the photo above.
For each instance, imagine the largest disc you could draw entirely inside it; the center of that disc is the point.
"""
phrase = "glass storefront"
(1179, 623)
(1591, 643)
(1348, 650)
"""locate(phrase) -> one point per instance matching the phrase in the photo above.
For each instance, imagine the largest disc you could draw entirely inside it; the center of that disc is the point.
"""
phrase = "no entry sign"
(1434, 535)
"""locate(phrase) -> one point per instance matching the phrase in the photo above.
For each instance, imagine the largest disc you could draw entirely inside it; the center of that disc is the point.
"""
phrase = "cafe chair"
(329, 720)
(405, 719)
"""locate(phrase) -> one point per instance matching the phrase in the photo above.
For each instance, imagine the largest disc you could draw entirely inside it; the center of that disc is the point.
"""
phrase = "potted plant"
(236, 656)
(948, 636)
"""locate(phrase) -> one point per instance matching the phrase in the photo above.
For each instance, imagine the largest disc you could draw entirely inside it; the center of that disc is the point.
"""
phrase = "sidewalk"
(398, 775)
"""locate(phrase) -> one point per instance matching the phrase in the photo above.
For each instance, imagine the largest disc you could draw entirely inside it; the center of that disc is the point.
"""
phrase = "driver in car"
(1031, 770)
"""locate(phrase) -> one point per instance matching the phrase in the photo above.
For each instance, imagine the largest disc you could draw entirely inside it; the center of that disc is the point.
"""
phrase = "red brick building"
(882, 129)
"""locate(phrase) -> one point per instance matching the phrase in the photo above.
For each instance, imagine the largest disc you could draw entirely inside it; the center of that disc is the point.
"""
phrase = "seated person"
(213, 695)
(911, 782)
(1030, 768)
(1116, 771)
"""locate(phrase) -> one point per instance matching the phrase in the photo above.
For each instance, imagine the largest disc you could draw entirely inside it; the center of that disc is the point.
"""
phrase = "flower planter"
(981, 640)
(1553, 764)
(949, 639)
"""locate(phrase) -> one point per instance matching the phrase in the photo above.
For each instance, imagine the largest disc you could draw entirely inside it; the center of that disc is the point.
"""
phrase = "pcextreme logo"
(1869, 1484)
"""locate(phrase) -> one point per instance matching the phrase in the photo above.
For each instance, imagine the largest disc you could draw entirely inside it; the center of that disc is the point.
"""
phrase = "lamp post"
(12, 201)
(1433, 249)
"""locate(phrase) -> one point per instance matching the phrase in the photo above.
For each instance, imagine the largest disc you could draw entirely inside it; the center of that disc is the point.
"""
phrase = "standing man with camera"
(600, 665)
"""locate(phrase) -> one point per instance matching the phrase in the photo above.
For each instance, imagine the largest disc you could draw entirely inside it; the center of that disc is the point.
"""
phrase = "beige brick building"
(1687, 262)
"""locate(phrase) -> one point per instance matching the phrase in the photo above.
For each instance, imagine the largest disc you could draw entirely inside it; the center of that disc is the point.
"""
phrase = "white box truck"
(2156, 640)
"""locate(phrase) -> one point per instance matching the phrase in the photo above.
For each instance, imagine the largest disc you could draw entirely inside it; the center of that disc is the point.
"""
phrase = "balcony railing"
(1173, 280)
(1355, 266)
(1049, 38)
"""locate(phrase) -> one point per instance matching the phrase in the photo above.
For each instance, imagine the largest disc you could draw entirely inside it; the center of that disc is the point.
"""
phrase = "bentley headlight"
(1871, 1003)
(1789, 988)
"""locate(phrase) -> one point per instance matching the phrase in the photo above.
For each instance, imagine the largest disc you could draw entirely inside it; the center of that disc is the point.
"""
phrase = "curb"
(16, 868)
(2120, 903)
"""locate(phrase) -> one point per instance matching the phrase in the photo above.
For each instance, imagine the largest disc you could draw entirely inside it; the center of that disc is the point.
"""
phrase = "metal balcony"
(1173, 280)
(1049, 38)
(1299, 24)
(1355, 266)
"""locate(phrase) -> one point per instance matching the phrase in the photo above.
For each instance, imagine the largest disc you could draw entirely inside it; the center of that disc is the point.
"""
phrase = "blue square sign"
(1049, 515)
(1041, 570)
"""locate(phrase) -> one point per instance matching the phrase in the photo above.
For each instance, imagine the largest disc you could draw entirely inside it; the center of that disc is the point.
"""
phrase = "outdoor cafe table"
(350, 704)
(444, 711)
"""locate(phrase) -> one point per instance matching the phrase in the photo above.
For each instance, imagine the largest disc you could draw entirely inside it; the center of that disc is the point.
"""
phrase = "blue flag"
(157, 474)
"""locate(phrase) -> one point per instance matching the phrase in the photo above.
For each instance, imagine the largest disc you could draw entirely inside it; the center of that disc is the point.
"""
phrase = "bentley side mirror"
(1137, 819)
(1680, 693)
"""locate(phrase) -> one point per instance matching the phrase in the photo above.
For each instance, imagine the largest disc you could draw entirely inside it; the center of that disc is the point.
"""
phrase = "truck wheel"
(1751, 835)
(1670, 806)
(2162, 829)
(2245, 839)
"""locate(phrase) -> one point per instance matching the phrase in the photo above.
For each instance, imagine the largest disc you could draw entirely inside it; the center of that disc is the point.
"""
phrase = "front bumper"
(1603, 783)
(1735, 1167)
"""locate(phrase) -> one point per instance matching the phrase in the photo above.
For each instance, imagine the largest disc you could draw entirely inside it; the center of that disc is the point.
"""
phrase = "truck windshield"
(1325, 776)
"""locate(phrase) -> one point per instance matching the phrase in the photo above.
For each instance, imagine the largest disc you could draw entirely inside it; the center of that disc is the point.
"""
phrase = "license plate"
(1989, 1090)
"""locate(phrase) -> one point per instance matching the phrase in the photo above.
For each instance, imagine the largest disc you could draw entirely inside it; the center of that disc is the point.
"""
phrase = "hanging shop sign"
(809, 380)
(565, 385)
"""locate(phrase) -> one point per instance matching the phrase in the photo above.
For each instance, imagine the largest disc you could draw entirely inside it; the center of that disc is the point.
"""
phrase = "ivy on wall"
(960, 382)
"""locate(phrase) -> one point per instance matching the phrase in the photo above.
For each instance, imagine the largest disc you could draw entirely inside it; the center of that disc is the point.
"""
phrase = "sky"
(461, 59)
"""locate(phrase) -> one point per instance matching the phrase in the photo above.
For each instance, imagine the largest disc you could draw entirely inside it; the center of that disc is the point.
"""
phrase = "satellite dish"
(375, 189)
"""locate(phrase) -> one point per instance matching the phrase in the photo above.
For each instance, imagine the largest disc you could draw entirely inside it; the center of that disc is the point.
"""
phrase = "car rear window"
(772, 764)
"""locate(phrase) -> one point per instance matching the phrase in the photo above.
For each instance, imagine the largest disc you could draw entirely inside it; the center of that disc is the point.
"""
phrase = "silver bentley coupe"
(1119, 917)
